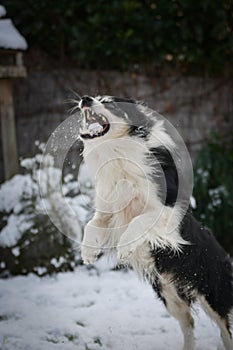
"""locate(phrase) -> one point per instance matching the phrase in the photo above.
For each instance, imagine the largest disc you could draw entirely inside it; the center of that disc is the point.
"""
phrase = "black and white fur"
(183, 266)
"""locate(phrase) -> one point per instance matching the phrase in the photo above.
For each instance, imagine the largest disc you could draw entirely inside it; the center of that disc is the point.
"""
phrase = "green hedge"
(213, 188)
(195, 36)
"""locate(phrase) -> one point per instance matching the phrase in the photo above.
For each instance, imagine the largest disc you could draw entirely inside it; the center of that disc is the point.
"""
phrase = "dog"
(139, 218)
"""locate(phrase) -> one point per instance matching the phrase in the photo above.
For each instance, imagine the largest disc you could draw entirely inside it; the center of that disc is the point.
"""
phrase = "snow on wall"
(10, 38)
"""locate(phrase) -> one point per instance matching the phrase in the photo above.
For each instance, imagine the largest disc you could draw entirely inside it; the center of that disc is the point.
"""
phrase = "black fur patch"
(156, 285)
(202, 266)
(168, 170)
(127, 108)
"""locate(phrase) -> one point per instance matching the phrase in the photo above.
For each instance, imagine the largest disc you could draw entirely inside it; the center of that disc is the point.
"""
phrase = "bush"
(29, 241)
(196, 35)
(213, 188)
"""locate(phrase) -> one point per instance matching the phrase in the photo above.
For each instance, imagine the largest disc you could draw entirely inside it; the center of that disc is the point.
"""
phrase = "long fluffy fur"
(145, 229)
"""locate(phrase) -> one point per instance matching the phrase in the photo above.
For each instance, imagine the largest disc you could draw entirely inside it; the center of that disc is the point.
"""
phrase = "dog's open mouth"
(93, 124)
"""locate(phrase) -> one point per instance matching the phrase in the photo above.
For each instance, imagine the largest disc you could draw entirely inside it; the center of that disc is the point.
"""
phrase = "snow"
(2, 11)
(11, 194)
(204, 174)
(13, 231)
(12, 191)
(20, 199)
(10, 38)
(193, 202)
(216, 195)
(91, 309)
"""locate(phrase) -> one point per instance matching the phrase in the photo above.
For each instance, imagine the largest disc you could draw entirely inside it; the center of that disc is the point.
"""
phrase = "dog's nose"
(86, 101)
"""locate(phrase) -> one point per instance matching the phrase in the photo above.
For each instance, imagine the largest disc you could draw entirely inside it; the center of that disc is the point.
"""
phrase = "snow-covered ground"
(91, 309)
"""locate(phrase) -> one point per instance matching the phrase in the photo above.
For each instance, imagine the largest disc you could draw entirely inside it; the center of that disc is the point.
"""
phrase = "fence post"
(9, 143)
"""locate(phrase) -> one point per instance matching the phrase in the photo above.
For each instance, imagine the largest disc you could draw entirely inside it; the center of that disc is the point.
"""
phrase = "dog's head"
(112, 117)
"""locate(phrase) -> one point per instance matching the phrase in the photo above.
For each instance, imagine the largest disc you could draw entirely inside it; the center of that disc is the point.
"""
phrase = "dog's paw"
(127, 246)
(125, 252)
(89, 254)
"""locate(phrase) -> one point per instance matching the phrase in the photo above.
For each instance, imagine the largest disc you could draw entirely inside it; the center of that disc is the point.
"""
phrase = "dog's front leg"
(152, 228)
(135, 235)
(94, 238)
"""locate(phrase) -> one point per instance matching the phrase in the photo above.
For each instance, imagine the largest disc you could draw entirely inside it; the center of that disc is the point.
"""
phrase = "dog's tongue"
(93, 124)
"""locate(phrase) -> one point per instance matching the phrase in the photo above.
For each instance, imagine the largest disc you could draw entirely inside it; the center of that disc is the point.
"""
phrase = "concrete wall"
(194, 105)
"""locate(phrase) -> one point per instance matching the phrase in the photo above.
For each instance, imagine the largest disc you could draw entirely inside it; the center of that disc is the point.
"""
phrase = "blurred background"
(176, 55)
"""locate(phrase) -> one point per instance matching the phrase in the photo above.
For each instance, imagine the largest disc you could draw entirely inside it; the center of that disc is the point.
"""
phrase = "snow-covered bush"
(213, 188)
(29, 240)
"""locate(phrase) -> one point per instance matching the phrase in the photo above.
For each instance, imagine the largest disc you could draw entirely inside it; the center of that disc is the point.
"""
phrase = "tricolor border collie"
(139, 213)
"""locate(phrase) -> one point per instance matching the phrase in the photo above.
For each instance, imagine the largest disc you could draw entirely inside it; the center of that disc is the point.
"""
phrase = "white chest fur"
(120, 175)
